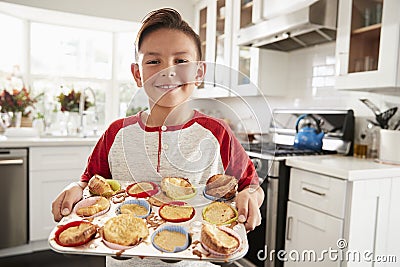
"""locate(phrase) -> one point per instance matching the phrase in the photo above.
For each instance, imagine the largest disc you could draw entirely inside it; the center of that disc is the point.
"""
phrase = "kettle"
(308, 133)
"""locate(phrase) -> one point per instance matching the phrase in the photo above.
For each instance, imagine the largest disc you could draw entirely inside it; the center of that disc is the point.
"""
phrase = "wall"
(304, 92)
(131, 10)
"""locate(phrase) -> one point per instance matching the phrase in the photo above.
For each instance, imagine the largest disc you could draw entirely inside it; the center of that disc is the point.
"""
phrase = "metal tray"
(195, 251)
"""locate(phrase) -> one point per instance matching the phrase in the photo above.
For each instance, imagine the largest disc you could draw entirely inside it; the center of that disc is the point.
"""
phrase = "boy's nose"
(169, 70)
(168, 73)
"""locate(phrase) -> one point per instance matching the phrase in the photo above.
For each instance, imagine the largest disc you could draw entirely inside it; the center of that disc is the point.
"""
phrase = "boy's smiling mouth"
(168, 86)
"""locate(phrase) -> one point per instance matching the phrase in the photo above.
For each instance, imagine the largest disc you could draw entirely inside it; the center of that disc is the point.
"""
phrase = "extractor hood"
(306, 27)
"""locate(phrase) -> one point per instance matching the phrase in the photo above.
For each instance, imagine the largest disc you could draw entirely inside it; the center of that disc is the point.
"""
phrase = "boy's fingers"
(254, 218)
(67, 203)
(243, 210)
(56, 207)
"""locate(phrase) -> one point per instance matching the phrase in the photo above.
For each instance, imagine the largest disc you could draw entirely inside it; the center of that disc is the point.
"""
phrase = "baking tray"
(145, 249)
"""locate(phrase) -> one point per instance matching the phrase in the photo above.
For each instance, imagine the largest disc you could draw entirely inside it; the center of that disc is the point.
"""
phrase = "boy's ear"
(201, 72)
(136, 74)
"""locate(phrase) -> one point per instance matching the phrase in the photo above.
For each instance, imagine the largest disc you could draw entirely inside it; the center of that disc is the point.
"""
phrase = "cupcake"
(176, 212)
(170, 238)
(75, 233)
(221, 186)
(125, 230)
(177, 188)
(219, 213)
(92, 206)
(142, 189)
(219, 240)
(99, 186)
(137, 207)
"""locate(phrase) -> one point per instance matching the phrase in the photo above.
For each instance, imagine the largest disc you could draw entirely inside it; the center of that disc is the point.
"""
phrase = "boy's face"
(168, 67)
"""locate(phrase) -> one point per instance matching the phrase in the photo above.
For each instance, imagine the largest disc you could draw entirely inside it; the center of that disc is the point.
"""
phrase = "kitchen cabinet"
(323, 209)
(213, 22)
(234, 70)
(50, 170)
(368, 45)
(275, 8)
(309, 229)
(315, 215)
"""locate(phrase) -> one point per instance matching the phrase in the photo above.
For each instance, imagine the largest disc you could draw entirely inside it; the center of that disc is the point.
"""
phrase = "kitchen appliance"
(13, 198)
(308, 133)
(309, 26)
(269, 161)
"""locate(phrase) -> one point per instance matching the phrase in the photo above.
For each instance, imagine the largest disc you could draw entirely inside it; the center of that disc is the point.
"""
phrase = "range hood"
(306, 27)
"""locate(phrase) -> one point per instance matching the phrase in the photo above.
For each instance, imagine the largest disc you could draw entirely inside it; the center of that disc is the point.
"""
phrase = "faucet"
(82, 110)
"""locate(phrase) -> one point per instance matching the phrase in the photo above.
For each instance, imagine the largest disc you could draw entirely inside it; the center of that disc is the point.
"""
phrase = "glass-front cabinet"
(232, 70)
(367, 44)
(245, 60)
(213, 22)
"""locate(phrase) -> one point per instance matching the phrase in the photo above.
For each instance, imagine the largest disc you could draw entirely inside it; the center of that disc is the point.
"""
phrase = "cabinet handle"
(289, 228)
(11, 162)
(312, 191)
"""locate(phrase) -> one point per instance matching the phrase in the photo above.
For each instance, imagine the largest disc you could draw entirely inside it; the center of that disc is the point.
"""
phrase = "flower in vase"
(70, 102)
(17, 101)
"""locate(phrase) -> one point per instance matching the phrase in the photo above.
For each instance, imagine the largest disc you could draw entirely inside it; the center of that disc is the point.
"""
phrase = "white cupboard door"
(44, 188)
(310, 232)
(394, 222)
(373, 62)
(368, 221)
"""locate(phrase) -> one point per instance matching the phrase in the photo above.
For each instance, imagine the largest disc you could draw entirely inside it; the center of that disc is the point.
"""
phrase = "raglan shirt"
(204, 146)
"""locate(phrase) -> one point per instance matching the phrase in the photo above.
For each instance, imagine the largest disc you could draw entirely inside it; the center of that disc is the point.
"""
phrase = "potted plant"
(18, 104)
(70, 108)
(70, 101)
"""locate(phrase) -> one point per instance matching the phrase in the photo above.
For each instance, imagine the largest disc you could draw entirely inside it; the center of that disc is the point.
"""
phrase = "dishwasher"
(13, 197)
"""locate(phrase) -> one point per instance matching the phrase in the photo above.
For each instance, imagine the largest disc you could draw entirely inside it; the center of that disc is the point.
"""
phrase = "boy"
(172, 139)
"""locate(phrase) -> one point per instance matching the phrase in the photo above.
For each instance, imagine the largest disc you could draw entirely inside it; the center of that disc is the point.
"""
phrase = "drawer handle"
(289, 228)
(314, 192)
(11, 162)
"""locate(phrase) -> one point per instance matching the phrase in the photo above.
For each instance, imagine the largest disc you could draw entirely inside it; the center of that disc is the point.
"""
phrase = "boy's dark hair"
(165, 18)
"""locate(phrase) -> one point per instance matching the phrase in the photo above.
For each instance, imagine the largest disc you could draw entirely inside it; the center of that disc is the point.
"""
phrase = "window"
(11, 49)
(68, 51)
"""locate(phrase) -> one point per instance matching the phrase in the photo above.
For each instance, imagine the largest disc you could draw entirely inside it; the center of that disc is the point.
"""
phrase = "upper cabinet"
(367, 45)
(213, 22)
(234, 70)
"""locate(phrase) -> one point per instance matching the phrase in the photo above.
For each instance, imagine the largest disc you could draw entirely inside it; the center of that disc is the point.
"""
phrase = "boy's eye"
(178, 61)
(152, 62)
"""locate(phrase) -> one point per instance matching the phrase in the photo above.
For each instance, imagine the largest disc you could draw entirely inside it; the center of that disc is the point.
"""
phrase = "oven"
(269, 160)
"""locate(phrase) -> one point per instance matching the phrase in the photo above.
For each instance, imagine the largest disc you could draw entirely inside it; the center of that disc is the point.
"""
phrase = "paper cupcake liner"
(88, 202)
(231, 232)
(172, 228)
(185, 196)
(140, 202)
(216, 198)
(116, 246)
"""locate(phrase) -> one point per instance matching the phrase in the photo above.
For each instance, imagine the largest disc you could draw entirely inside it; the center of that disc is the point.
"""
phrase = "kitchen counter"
(7, 142)
(348, 168)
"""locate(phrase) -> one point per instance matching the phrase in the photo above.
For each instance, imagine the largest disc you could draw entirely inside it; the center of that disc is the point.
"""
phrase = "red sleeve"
(98, 160)
(234, 158)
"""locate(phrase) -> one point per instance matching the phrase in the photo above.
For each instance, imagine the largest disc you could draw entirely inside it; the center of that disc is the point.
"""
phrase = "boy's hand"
(62, 205)
(248, 202)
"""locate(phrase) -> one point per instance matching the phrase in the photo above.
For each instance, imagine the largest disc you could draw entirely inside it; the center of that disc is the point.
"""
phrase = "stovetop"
(281, 150)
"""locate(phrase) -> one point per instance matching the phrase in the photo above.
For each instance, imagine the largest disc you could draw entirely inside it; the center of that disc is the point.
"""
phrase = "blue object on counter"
(310, 135)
